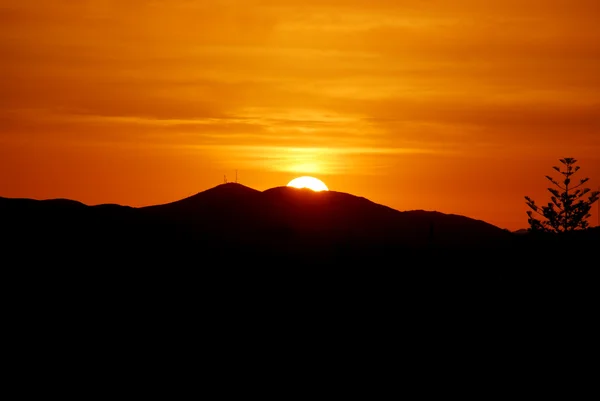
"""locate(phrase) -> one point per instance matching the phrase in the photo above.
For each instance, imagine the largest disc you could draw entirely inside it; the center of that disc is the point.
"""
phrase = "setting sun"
(418, 105)
(308, 182)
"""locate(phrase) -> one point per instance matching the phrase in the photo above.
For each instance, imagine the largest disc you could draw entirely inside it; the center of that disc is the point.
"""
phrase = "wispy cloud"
(331, 78)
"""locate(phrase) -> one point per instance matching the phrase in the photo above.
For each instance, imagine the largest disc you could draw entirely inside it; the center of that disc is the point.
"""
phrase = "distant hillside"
(282, 213)
(235, 221)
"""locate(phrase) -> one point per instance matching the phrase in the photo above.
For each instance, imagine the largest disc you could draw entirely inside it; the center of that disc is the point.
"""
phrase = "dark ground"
(119, 296)
(339, 246)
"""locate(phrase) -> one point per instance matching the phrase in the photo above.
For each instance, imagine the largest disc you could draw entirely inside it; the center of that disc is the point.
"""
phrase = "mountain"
(286, 218)
(235, 250)
(237, 220)
(240, 224)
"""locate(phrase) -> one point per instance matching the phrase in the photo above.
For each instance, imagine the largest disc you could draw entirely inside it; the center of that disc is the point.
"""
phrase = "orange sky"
(458, 106)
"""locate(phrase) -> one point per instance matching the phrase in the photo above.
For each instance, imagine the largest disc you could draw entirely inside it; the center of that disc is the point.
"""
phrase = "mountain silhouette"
(286, 219)
(242, 223)
(240, 220)
(233, 251)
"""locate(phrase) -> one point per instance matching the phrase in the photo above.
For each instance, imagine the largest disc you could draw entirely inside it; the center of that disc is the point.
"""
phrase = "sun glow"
(308, 182)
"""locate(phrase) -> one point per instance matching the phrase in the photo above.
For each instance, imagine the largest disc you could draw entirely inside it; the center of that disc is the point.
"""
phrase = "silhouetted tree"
(567, 209)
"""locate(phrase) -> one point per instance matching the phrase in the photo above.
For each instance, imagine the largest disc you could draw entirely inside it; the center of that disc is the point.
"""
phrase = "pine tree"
(567, 210)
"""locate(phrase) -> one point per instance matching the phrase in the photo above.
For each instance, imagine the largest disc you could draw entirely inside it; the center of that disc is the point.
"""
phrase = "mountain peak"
(221, 193)
(231, 188)
(291, 216)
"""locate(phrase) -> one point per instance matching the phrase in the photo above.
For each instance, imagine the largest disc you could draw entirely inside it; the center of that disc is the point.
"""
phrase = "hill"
(233, 251)
(232, 223)
(284, 213)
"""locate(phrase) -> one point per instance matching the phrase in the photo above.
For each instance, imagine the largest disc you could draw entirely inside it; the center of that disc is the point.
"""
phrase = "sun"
(308, 182)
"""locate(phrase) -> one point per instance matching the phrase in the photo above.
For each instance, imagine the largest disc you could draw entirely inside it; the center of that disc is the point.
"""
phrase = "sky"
(458, 106)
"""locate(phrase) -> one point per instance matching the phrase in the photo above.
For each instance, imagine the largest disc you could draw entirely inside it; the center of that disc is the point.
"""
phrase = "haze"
(457, 106)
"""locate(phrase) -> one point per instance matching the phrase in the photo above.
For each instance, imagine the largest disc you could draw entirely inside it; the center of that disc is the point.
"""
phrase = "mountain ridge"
(215, 194)
(280, 225)
(246, 224)
(235, 212)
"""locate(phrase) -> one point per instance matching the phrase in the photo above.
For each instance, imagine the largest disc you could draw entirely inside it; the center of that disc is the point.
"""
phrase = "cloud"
(422, 76)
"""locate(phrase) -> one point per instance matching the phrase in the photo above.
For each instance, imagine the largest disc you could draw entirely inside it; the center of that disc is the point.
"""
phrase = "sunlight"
(308, 182)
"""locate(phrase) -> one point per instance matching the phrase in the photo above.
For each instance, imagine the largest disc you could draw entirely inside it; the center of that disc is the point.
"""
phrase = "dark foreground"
(107, 290)
(282, 240)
